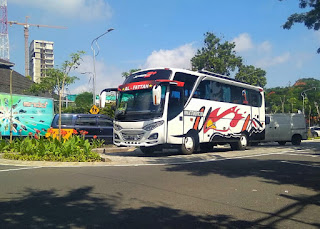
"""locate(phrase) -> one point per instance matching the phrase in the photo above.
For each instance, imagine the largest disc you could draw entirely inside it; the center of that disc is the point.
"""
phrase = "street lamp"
(91, 77)
(94, 64)
(303, 94)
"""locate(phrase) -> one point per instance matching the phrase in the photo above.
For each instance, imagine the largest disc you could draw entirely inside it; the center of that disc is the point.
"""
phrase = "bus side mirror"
(156, 95)
(102, 99)
(267, 120)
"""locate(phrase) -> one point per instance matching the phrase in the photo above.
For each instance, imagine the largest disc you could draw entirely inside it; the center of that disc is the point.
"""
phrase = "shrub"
(37, 148)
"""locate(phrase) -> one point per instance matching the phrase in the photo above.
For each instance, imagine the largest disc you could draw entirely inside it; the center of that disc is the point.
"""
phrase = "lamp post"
(91, 77)
(303, 94)
(94, 64)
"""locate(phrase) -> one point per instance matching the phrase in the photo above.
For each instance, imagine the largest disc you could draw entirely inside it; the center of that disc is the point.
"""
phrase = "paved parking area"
(267, 186)
(134, 157)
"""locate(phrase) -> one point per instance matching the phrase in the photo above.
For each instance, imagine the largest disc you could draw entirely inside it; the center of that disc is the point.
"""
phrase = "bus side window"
(200, 93)
(175, 102)
(216, 91)
(255, 98)
(236, 95)
(188, 80)
(226, 93)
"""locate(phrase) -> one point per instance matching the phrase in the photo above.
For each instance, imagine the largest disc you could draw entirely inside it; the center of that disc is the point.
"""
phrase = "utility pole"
(4, 38)
(303, 95)
(26, 26)
(317, 107)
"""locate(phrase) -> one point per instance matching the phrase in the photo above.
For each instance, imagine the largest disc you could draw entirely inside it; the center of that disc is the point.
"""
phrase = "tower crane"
(26, 38)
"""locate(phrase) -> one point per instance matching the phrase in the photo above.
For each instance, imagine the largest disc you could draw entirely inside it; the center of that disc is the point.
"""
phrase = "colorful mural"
(29, 114)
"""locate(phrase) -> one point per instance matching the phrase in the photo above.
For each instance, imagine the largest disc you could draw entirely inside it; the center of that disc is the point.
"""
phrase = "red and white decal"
(136, 86)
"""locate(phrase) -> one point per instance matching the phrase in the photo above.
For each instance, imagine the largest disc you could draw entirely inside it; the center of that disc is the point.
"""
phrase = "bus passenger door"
(258, 115)
(175, 116)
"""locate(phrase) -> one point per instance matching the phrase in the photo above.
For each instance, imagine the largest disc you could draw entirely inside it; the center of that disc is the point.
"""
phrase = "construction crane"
(26, 38)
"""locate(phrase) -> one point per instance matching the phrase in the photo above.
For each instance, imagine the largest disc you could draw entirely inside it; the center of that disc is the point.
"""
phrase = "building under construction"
(41, 58)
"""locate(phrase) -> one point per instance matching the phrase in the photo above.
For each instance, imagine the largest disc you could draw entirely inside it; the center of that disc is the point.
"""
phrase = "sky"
(165, 33)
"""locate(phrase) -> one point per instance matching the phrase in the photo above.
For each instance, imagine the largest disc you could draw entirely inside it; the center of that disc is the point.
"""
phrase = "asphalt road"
(265, 187)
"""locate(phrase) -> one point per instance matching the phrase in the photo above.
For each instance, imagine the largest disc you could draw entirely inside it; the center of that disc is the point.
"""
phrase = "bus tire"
(296, 140)
(282, 143)
(206, 147)
(241, 144)
(147, 150)
(188, 145)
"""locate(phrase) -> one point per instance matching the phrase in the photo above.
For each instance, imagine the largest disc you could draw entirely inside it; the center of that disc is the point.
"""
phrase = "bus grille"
(132, 136)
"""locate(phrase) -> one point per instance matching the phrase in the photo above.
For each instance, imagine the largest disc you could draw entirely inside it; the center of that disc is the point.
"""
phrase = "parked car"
(284, 128)
(94, 124)
(315, 131)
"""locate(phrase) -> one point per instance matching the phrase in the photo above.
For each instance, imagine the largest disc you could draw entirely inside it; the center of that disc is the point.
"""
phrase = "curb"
(113, 149)
(101, 151)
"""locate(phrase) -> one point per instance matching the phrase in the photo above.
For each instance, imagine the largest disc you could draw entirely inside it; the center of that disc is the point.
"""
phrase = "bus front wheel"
(241, 144)
(188, 145)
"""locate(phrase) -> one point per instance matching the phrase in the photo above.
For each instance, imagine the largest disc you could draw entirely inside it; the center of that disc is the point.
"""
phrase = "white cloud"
(79, 89)
(175, 58)
(261, 54)
(106, 76)
(272, 61)
(80, 9)
(243, 42)
(265, 46)
(317, 34)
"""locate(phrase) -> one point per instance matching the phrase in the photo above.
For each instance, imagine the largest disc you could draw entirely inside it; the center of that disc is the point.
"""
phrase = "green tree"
(311, 19)
(67, 66)
(216, 56)
(289, 99)
(52, 82)
(84, 99)
(126, 74)
(57, 79)
(108, 110)
(252, 75)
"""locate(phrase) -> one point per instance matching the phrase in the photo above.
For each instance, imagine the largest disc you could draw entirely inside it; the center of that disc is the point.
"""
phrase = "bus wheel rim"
(188, 143)
(243, 140)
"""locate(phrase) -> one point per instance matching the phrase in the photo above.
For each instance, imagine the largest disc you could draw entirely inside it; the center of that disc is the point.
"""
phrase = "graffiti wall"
(30, 114)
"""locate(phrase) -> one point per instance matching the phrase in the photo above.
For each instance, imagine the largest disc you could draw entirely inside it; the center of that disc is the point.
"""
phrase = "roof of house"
(20, 84)
(5, 63)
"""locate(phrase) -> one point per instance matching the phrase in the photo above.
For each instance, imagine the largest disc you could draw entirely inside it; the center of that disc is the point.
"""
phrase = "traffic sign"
(94, 110)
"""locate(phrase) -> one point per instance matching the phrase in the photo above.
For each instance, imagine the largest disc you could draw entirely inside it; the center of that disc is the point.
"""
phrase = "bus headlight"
(152, 126)
(153, 137)
(117, 127)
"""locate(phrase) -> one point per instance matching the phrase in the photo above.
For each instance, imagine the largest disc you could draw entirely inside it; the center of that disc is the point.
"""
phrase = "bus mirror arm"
(103, 94)
(156, 95)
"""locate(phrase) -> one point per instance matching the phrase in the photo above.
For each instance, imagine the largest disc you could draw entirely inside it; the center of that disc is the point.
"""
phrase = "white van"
(284, 128)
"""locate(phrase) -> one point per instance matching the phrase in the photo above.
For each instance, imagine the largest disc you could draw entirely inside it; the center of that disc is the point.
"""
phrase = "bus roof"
(204, 73)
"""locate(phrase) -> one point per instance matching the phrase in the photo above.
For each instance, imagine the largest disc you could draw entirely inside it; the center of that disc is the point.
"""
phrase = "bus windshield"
(137, 105)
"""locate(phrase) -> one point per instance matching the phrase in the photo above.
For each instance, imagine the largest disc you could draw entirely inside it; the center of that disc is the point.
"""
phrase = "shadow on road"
(81, 208)
(273, 171)
(303, 173)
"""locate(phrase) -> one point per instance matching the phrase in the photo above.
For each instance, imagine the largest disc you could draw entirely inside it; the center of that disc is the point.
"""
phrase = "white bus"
(167, 107)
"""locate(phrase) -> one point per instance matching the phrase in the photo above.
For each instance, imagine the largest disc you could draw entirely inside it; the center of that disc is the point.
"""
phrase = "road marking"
(294, 163)
(25, 168)
(171, 161)
(305, 155)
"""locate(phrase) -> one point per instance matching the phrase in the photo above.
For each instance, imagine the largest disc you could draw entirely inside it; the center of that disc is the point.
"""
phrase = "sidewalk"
(131, 156)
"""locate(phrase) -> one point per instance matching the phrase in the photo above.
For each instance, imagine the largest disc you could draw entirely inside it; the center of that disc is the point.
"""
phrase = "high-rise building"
(41, 58)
